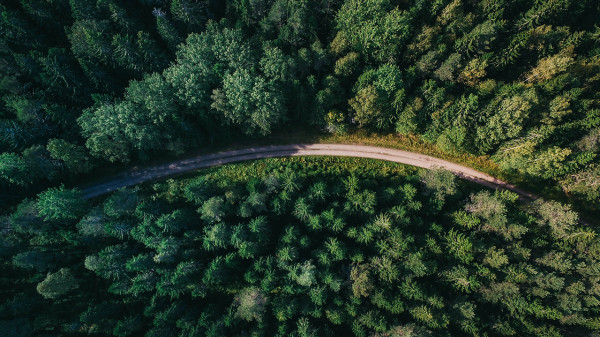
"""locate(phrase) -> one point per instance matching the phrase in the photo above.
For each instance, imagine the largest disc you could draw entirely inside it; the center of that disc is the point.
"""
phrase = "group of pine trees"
(60, 57)
(298, 247)
(87, 83)
(516, 80)
(303, 247)
(90, 82)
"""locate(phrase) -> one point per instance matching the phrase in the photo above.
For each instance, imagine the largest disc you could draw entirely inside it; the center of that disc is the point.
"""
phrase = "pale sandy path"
(136, 176)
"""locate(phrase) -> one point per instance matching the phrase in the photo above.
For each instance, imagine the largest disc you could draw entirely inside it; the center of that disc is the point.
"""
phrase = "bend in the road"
(138, 176)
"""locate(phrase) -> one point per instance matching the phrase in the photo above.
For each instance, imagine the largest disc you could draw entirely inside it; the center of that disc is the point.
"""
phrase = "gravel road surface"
(137, 176)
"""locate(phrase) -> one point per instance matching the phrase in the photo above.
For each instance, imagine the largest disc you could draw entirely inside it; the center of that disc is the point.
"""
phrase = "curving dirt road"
(134, 177)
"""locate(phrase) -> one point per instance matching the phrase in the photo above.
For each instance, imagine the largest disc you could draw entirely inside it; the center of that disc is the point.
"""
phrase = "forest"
(299, 247)
(87, 84)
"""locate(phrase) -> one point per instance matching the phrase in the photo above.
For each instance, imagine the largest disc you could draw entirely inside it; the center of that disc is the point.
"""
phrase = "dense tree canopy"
(513, 79)
(322, 247)
(298, 247)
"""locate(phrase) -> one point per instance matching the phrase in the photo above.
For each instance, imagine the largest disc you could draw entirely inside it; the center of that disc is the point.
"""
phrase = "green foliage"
(33, 259)
(73, 156)
(558, 217)
(56, 285)
(251, 304)
(459, 245)
(60, 204)
(447, 70)
(192, 13)
(14, 169)
(303, 274)
(266, 246)
(506, 80)
(584, 183)
(374, 28)
(213, 209)
(441, 182)
(247, 100)
(505, 123)
(128, 82)
(143, 122)
(507, 75)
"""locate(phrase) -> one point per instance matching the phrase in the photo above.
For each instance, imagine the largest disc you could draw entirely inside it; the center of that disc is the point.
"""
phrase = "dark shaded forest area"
(300, 247)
